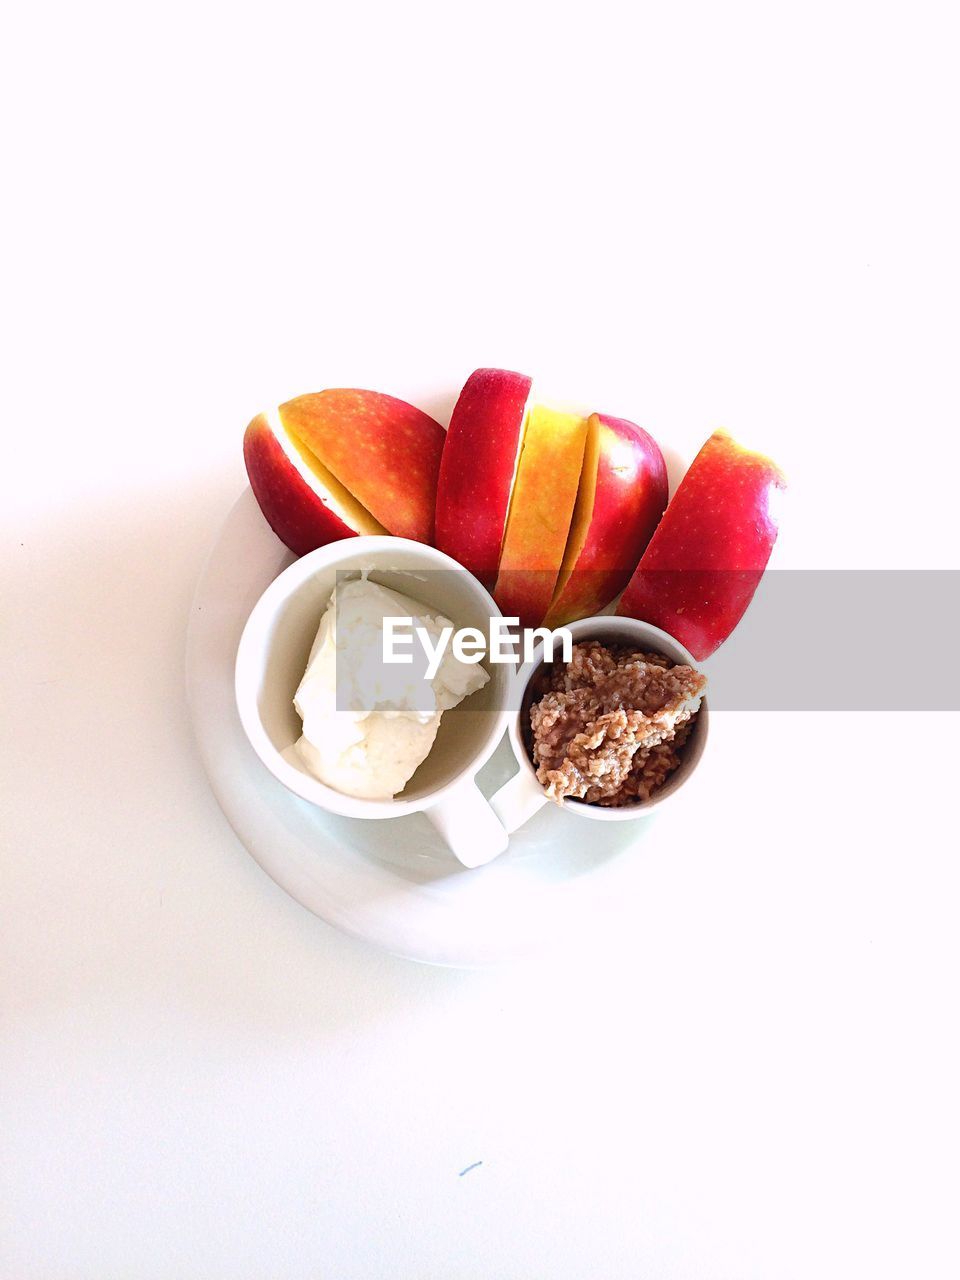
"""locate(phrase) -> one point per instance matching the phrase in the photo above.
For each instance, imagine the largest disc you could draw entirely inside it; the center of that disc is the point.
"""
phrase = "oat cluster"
(609, 725)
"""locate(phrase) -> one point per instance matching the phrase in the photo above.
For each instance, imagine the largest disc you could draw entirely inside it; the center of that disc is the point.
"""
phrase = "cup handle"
(517, 801)
(468, 824)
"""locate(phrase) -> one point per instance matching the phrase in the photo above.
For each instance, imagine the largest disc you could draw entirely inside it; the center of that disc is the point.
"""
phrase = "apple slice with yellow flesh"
(541, 509)
(304, 504)
(383, 451)
(622, 495)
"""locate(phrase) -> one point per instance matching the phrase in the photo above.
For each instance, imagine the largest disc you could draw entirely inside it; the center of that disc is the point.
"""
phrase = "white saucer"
(393, 883)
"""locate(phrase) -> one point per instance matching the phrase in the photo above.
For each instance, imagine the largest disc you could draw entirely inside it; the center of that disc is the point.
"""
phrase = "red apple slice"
(478, 468)
(622, 495)
(702, 566)
(383, 451)
(541, 510)
(303, 503)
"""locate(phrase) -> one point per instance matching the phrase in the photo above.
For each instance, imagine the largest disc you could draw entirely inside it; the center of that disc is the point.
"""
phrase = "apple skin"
(615, 517)
(385, 452)
(477, 469)
(705, 560)
(541, 511)
(293, 507)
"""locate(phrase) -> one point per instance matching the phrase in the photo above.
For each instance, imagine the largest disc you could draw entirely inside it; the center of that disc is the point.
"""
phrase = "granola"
(609, 725)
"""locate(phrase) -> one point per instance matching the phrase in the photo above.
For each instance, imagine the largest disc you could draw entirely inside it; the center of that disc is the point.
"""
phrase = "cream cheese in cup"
(367, 726)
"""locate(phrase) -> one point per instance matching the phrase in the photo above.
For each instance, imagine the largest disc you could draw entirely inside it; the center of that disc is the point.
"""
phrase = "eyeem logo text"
(470, 645)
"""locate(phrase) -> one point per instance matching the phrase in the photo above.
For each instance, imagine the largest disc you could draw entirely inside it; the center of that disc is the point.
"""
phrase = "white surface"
(740, 215)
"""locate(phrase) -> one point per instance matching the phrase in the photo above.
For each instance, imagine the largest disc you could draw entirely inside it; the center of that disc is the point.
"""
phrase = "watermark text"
(471, 645)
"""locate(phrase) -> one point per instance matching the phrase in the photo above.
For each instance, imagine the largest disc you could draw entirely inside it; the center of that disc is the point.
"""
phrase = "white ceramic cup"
(520, 798)
(273, 654)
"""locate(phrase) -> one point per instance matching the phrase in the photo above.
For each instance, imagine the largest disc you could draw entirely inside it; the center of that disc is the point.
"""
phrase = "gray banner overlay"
(811, 640)
(844, 640)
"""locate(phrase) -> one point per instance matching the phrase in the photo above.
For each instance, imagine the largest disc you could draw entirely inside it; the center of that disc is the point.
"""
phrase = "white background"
(739, 215)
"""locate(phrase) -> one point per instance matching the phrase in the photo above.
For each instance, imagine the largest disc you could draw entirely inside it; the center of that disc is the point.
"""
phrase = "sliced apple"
(541, 509)
(706, 558)
(383, 451)
(478, 468)
(304, 504)
(622, 495)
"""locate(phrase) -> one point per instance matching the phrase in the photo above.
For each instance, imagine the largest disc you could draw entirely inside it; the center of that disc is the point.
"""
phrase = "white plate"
(390, 882)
